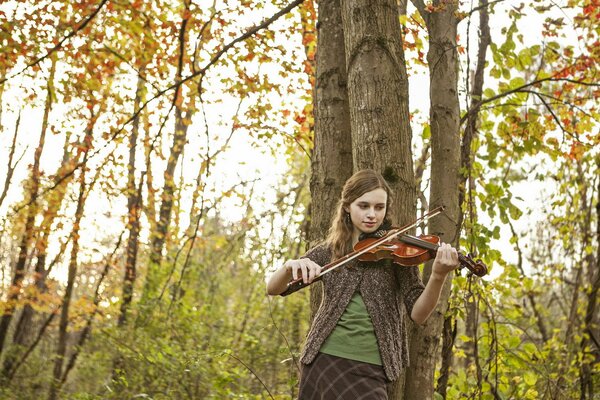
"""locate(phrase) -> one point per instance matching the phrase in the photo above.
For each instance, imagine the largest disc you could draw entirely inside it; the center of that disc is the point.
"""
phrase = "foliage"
(214, 74)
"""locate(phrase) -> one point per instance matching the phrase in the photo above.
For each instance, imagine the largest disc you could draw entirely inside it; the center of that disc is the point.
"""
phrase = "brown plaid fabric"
(335, 378)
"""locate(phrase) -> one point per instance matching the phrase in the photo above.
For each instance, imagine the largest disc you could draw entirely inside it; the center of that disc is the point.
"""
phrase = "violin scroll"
(476, 267)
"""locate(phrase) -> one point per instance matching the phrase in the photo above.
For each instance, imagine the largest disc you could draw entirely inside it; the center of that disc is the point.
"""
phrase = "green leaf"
(495, 72)
(426, 132)
(489, 93)
(516, 82)
(530, 378)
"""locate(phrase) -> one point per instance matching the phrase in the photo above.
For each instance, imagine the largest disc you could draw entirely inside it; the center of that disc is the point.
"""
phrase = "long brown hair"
(339, 238)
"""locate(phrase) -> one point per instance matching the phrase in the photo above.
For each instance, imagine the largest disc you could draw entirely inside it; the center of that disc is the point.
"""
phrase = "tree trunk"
(590, 341)
(133, 206)
(10, 167)
(61, 347)
(32, 210)
(159, 235)
(24, 328)
(331, 162)
(442, 58)
(378, 96)
(466, 180)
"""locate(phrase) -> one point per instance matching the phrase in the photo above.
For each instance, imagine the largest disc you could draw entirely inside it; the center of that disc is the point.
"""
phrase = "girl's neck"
(355, 235)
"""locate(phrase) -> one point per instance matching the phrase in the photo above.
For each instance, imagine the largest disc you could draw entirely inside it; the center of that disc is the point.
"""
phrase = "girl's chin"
(369, 228)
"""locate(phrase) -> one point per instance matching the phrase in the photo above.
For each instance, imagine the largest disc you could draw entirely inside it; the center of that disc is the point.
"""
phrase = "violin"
(407, 250)
(402, 249)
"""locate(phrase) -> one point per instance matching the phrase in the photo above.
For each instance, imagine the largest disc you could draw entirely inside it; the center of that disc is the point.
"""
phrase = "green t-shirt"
(353, 337)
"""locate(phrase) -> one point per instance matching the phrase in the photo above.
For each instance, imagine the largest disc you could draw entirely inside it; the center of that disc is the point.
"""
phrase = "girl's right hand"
(305, 268)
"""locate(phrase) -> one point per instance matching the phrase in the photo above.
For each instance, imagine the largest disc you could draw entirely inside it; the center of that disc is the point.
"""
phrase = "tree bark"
(379, 112)
(378, 96)
(331, 162)
(466, 180)
(442, 58)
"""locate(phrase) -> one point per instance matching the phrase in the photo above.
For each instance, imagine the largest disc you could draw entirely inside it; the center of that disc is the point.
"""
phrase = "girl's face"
(368, 211)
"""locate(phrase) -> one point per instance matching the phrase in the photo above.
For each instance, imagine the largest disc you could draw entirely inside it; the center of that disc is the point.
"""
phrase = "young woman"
(357, 342)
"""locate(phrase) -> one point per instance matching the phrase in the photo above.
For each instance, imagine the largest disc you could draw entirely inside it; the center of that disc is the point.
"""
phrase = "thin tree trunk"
(133, 207)
(475, 95)
(445, 179)
(331, 162)
(88, 325)
(449, 333)
(32, 210)
(577, 286)
(61, 347)
(590, 340)
(149, 206)
(25, 324)
(159, 235)
(134, 198)
(11, 155)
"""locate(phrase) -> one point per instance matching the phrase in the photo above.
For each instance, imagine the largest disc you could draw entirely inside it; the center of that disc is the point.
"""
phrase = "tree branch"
(11, 167)
(474, 10)
(160, 93)
(420, 6)
(80, 26)
(474, 108)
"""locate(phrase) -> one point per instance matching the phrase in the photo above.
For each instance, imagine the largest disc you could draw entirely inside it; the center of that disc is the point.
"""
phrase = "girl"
(357, 342)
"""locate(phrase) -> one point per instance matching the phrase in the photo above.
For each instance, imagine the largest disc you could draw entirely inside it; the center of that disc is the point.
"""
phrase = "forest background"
(160, 159)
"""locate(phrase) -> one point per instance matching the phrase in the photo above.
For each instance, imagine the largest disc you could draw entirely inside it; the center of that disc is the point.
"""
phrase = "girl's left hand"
(446, 260)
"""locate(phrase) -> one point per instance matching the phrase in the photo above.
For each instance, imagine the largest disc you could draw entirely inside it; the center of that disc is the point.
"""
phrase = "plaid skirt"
(329, 377)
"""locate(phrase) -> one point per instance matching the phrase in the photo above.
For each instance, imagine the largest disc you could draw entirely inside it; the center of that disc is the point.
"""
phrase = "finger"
(311, 273)
(454, 255)
(294, 272)
(318, 270)
(449, 253)
(443, 252)
(304, 273)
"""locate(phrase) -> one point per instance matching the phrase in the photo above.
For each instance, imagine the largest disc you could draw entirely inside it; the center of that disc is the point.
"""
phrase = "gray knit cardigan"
(383, 288)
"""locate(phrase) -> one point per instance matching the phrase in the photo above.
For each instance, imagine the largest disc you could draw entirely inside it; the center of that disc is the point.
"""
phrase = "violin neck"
(415, 241)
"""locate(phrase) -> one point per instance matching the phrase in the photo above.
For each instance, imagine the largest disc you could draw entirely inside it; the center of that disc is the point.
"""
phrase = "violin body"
(407, 250)
(400, 252)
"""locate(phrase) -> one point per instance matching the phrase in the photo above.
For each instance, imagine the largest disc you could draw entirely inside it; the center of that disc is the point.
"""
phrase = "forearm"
(427, 301)
(279, 281)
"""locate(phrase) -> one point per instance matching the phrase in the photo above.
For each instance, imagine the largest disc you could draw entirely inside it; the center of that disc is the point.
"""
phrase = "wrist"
(439, 276)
